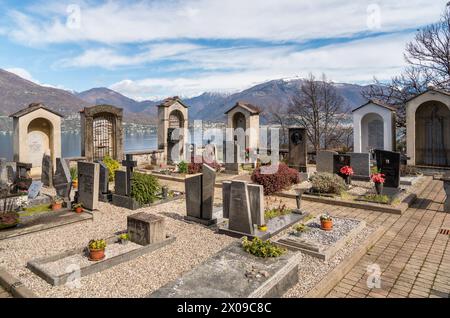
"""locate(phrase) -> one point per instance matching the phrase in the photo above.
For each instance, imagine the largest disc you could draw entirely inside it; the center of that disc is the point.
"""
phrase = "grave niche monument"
(388, 163)
(37, 129)
(200, 196)
(101, 132)
(298, 154)
(88, 184)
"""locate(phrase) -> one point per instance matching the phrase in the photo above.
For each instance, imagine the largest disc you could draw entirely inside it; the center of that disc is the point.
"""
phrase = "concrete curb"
(334, 277)
(14, 286)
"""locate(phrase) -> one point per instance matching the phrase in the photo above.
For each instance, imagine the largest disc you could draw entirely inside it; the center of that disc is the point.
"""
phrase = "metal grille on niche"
(103, 136)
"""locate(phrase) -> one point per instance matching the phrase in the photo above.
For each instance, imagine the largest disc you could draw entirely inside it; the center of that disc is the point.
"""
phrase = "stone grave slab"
(53, 268)
(35, 189)
(324, 161)
(233, 273)
(88, 184)
(322, 244)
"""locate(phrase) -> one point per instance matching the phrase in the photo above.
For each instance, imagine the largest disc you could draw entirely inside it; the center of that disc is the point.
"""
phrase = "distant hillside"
(17, 93)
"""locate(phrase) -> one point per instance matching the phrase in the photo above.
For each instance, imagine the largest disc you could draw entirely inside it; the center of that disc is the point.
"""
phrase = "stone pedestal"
(145, 229)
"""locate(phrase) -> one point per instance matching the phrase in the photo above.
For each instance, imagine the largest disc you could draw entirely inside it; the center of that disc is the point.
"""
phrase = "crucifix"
(129, 164)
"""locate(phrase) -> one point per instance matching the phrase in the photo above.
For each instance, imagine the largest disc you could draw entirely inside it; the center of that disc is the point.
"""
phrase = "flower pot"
(96, 255)
(326, 225)
(379, 188)
(123, 242)
(348, 180)
(75, 184)
(262, 228)
(79, 210)
(56, 206)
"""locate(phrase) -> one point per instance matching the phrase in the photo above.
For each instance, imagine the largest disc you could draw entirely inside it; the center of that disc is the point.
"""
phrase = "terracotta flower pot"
(326, 225)
(56, 206)
(75, 184)
(79, 210)
(96, 255)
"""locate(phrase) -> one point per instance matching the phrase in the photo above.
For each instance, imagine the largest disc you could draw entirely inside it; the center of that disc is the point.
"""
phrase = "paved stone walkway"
(413, 257)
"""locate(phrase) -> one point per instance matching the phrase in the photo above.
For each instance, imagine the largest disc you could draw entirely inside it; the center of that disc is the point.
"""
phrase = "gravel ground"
(316, 236)
(312, 270)
(136, 278)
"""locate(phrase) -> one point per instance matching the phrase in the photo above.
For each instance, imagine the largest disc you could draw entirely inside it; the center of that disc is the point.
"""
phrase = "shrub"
(196, 164)
(327, 183)
(259, 248)
(183, 167)
(112, 166)
(144, 188)
(272, 183)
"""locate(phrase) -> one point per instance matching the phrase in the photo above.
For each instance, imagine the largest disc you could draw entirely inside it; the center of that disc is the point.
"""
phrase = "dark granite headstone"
(388, 163)
(34, 189)
(298, 154)
(61, 180)
(325, 160)
(193, 188)
(121, 184)
(208, 186)
(23, 177)
(47, 171)
(226, 195)
(104, 178)
(240, 218)
(130, 164)
(231, 157)
(256, 196)
(88, 188)
(340, 161)
(361, 165)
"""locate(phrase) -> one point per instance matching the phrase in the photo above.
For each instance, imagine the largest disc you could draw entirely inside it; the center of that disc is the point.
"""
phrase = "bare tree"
(428, 58)
(318, 107)
(278, 116)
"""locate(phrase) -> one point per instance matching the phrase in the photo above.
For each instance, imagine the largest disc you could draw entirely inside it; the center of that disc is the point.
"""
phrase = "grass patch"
(42, 208)
(260, 248)
(273, 213)
(347, 196)
(384, 199)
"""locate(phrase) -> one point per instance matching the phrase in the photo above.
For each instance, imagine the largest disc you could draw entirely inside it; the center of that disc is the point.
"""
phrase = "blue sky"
(154, 49)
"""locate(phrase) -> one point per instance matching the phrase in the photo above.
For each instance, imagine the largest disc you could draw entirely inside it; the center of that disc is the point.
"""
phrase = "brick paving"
(414, 259)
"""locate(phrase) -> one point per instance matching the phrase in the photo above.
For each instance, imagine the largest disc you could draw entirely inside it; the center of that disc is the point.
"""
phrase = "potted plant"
(97, 250)
(124, 238)
(57, 203)
(78, 208)
(326, 222)
(347, 172)
(74, 177)
(378, 179)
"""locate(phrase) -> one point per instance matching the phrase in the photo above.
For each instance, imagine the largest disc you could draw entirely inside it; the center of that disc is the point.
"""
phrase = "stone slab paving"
(4, 293)
(414, 259)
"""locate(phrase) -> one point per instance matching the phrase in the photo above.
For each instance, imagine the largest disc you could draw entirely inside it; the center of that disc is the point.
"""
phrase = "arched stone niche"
(173, 127)
(428, 129)
(37, 130)
(244, 116)
(374, 127)
(102, 132)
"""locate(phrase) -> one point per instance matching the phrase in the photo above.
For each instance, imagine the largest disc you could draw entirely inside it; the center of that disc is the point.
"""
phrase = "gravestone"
(3, 173)
(325, 161)
(145, 229)
(47, 170)
(210, 153)
(340, 161)
(256, 199)
(226, 194)
(200, 196)
(231, 160)
(130, 165)
(11, 173)
(104, 194)
(88, 184)
(61, 180)
(121, 184)
(388, 163)
(361, 165)
(34, 189)
(23, 177)
(298, 154)
(240, 218)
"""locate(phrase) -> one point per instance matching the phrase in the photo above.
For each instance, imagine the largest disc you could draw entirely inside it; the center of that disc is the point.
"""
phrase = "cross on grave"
(130, 165)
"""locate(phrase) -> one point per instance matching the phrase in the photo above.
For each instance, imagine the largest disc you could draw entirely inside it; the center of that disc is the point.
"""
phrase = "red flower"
(346, 171)
(378, 178)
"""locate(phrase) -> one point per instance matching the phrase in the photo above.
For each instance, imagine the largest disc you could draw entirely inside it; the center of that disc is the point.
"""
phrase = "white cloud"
(115, 22)
(23, 73)
(357, 61)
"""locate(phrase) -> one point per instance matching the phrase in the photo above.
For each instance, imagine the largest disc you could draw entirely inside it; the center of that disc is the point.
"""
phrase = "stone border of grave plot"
(332, 278)
(131, 204)
(17, 231)
(331, 250)
(402, 207)
(35, 265)
(14, 286)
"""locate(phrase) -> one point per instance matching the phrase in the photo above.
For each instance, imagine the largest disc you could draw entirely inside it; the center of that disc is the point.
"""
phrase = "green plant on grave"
(112, 166)
(124, 237)
(97, 244)
(145, 188)
(73, 173)
(183, 167)
(301, 228)
(327, 183)
(260, 248)
(374, 170)
(377, 198)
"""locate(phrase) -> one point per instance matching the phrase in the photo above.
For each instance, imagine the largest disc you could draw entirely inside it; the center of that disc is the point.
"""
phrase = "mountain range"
(17, 93)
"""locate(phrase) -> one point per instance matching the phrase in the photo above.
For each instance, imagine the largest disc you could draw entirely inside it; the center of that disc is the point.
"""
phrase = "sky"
(160, 48)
